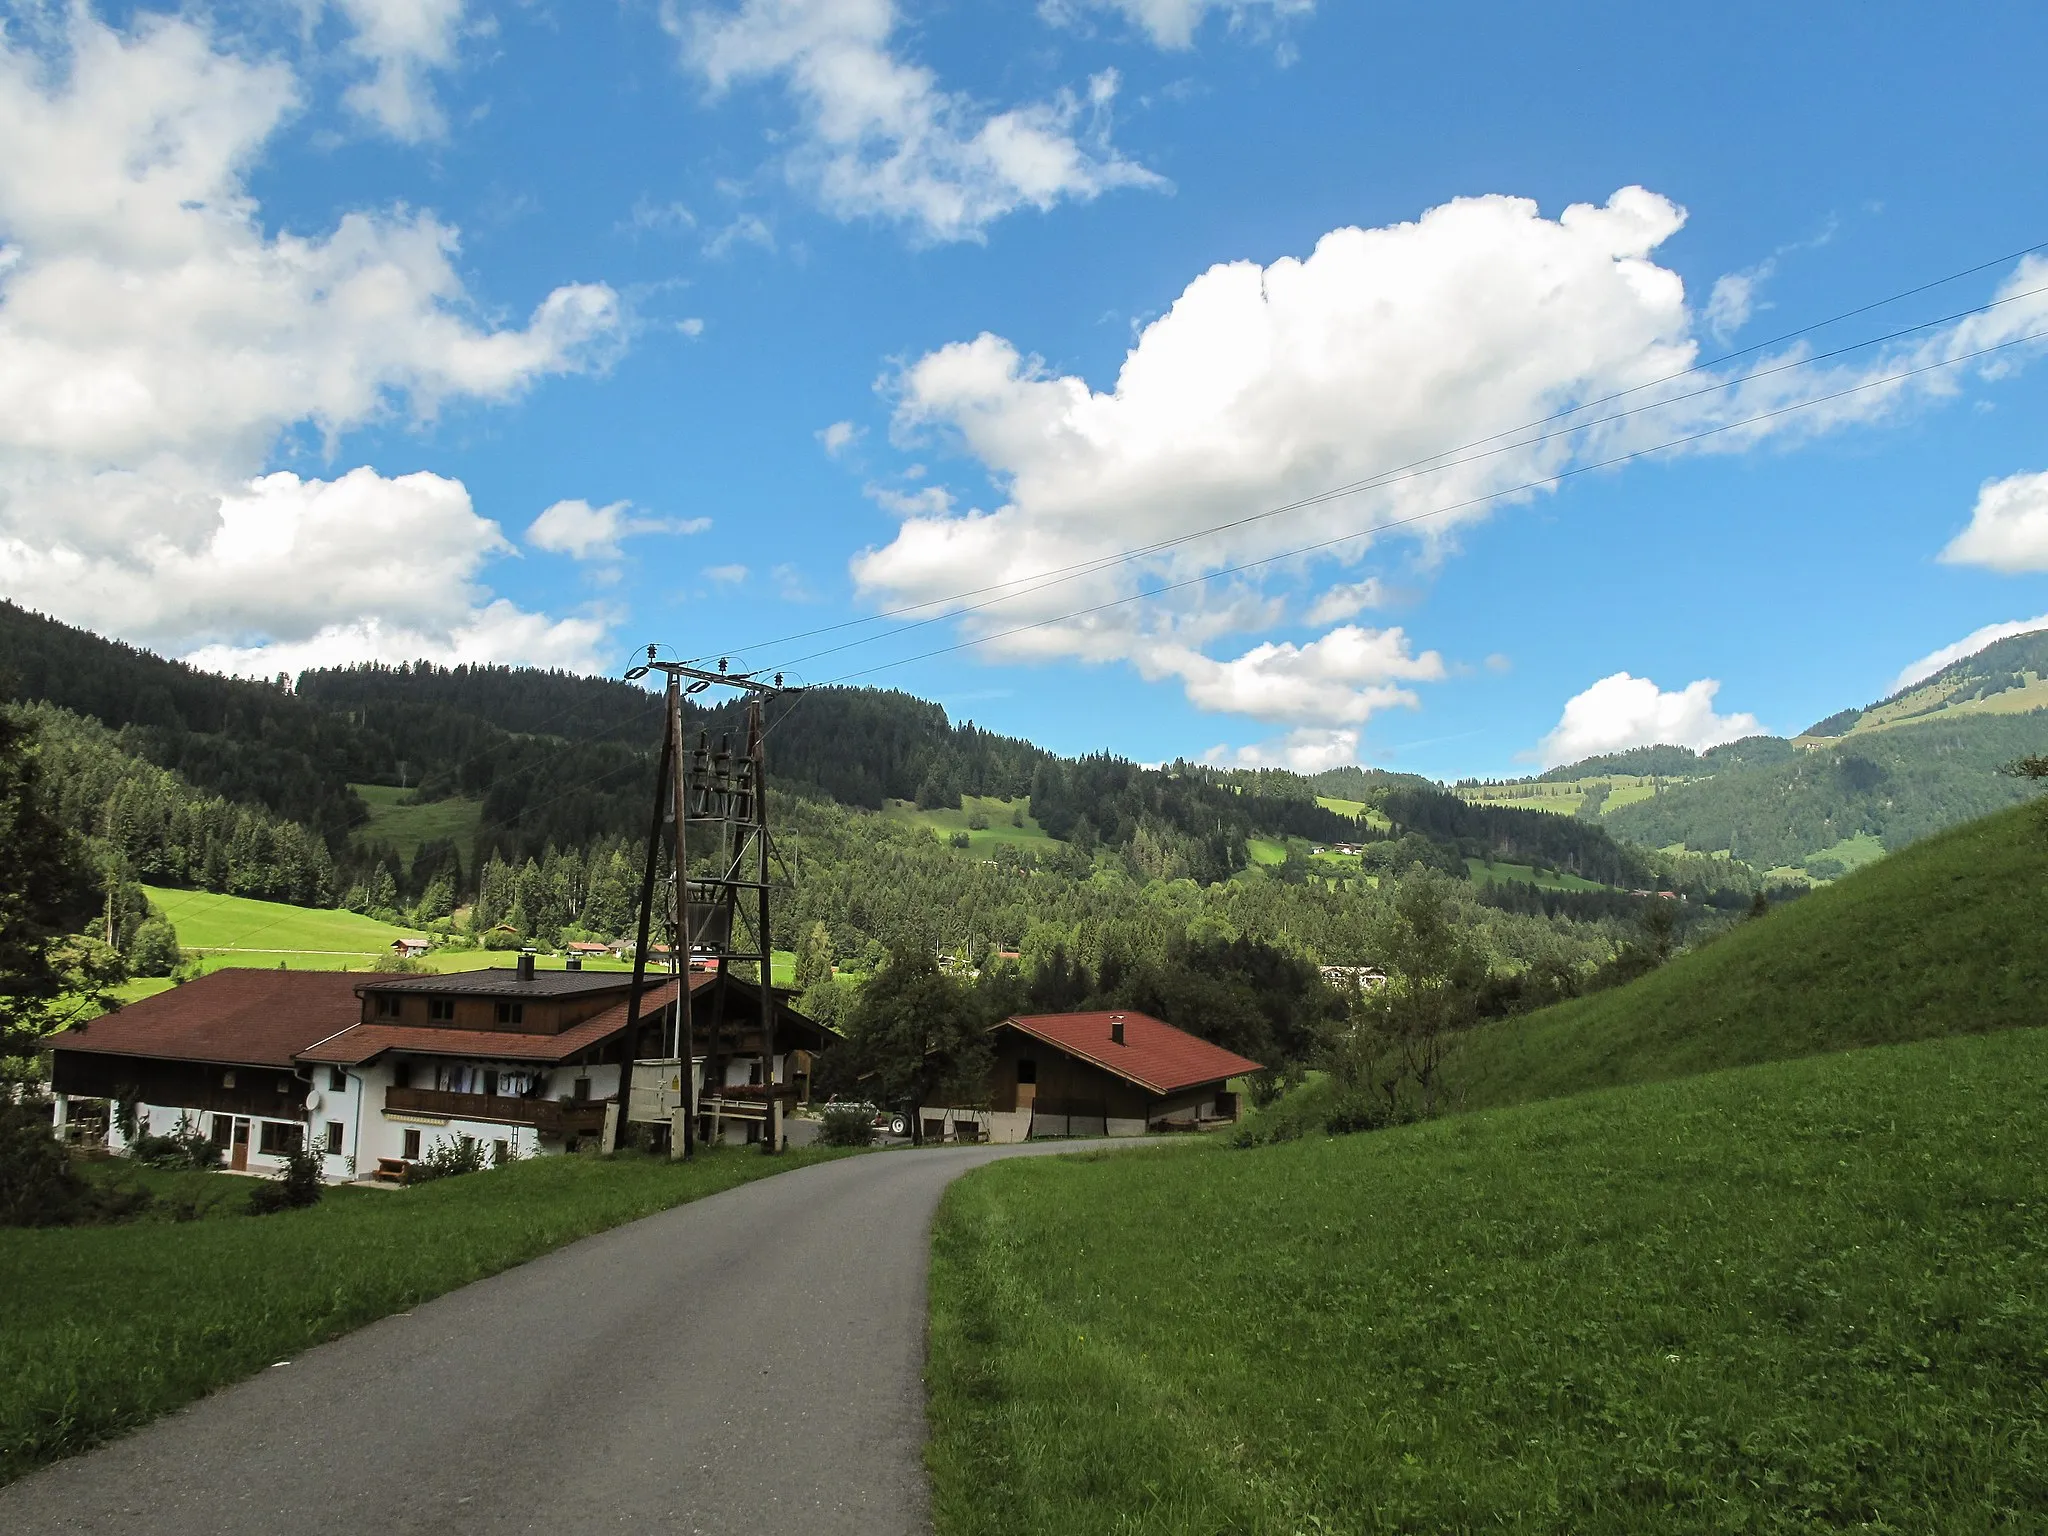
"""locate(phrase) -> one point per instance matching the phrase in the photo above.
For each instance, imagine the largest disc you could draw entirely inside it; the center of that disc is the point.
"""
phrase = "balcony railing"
(550, 1117)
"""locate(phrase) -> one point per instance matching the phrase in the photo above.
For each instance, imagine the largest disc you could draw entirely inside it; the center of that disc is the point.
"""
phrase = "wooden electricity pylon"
(722, 914)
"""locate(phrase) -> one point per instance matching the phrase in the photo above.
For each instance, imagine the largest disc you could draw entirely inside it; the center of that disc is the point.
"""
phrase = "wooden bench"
(394, 1170)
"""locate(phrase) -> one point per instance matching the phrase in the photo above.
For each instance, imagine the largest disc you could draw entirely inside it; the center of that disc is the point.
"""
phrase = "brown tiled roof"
(354, 1046)
(501, 981)
(252, 1018)
(1154, 1055)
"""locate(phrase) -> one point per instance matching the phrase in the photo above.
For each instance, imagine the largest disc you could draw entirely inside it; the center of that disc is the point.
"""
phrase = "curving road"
(751, 1362)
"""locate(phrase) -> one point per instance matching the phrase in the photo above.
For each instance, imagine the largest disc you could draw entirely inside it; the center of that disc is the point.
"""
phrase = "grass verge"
(109, 1327)
(1802, 1296)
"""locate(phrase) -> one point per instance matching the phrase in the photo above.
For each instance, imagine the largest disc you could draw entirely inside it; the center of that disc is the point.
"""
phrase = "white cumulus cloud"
(1306, 750)
(880, 137)
(577, 529)
(402, 41)
(1381, 350)
(1345, 676)
(838, 437)
(1621, 711)
(1173, 23)
(157, 342)
(1346, 600)
(2008, 527)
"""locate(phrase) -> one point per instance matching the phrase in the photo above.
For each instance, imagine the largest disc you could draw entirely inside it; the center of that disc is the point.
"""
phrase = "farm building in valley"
(1096, 1074)
(378, 1071)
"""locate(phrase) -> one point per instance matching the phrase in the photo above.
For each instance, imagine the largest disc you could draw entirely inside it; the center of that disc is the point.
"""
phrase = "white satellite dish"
(312, 1099)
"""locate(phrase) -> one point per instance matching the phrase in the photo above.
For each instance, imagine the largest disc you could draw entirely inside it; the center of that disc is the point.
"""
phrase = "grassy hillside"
(981, 841)
(1795, 1297)
(208, 921)
(1945, 938)
(407, 826)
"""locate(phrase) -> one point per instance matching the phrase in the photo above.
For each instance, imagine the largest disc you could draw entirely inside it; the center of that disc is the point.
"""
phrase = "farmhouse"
(378, 1071)
(1096, 1074)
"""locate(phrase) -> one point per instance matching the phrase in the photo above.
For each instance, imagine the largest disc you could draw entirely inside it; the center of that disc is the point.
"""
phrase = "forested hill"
(248, 741)
(1892, 786)
(555, 759)
(2007, 677)
(1664, 762)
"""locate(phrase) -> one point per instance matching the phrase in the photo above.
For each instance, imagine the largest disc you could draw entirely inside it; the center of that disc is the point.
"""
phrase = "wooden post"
(679, 950)
(670, 746)
(771, 1124)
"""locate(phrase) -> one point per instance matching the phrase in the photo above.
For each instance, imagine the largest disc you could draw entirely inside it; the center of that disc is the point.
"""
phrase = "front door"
(238, 1155)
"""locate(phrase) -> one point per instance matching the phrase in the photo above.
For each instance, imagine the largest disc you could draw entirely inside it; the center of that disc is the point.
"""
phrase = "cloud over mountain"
(158, 342)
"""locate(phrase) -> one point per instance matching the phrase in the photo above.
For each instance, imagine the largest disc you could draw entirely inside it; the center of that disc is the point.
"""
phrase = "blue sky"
(533, 332)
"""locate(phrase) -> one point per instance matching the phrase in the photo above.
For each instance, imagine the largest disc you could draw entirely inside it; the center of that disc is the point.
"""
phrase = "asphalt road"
(748, 1363)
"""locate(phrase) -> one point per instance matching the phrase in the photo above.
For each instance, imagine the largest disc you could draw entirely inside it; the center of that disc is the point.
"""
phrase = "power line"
(1537, 484)
(1379, 482)
(1100, 562)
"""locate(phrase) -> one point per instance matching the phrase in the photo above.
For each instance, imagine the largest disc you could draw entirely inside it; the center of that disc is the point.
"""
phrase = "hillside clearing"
(407, 826)
(981, 841)
(1806, 1295)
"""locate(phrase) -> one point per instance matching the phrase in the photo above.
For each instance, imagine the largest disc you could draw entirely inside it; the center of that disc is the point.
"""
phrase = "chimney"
(1116, 1029)
(526, 965)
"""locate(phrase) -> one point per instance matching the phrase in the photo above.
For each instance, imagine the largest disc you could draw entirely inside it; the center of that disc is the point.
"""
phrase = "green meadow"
(221, 932)
(109, 1327)
(1797, 1297)
(1758, 1242)
(407, 826)
(982, 841)
(208, 921)
(1487, 872)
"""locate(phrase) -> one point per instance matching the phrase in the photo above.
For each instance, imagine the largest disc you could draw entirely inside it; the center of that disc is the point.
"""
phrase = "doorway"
(238, 1148)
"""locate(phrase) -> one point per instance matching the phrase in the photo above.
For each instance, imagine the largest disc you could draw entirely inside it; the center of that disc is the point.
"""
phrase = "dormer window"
(511, 1013)
(385, 1006)
(442, 1008)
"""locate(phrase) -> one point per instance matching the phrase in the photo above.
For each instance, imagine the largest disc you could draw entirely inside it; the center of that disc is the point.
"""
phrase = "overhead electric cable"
(1530, 485)
(1394, 477)
(1100, 562)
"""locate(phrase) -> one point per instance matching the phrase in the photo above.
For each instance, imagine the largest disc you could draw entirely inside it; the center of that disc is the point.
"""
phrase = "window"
(511, 1013)
(1027, 1071)
(582, 1090)
(279, 1139)
(501, 1154)
(337, 1080)
(334, 1138)
(412, 1146)
(386, 1006)
(441, 1008)
(227, 1079)
(401, 1074)
(490, 1084)
(223, 1129)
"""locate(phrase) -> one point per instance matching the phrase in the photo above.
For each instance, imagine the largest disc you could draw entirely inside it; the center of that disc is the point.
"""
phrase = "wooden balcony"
(548, 1116)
